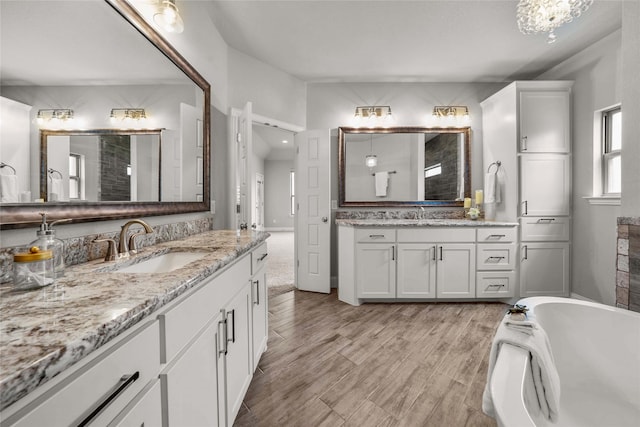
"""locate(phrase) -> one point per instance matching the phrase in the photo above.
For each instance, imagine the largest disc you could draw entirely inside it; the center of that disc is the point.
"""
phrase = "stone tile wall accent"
(442, 149)
(81, 249)
(402, 214)
(628, 264)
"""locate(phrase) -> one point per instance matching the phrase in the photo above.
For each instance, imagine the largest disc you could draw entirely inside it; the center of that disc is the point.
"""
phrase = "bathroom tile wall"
(628, 264)
(78, 250)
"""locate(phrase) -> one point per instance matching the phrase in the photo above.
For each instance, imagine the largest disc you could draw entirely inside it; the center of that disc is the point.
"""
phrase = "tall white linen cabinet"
(527, 128)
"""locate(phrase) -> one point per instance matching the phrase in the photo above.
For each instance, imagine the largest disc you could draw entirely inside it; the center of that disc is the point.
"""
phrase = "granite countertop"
(393, 222)
(45, 331)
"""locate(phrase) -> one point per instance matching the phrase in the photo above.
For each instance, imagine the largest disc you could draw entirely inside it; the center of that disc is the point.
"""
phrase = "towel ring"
(5, 165)
(497, 164)
(52, 171)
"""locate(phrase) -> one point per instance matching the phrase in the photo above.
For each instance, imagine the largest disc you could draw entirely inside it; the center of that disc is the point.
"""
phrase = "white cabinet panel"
(456, 273)
(497, 234)
(144, 410)
(437, 234)
(495, 284)
(544, 269)
(259, 330)
(375, 235)
(376, 270)
(544, 122)
(416, 270)
(545, 228)
(545, 184)
(496, 256)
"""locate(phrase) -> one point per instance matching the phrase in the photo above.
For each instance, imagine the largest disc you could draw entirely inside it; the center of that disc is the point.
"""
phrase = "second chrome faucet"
(126, 246)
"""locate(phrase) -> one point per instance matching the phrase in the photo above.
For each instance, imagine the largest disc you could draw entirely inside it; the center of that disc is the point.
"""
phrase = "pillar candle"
(467, 202)
(479, 196)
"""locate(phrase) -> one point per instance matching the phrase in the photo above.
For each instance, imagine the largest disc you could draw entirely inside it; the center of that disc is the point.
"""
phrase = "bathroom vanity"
(401, 259)
(112, 347)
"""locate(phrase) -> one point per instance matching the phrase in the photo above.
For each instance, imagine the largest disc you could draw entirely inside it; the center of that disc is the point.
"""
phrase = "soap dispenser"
(47, 241)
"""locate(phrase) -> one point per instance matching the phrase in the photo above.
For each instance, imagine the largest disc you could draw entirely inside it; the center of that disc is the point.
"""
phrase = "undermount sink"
(163, 263)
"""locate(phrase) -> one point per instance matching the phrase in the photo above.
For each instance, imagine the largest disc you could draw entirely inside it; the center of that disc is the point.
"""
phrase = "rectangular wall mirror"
(119, 62)
(404, 166)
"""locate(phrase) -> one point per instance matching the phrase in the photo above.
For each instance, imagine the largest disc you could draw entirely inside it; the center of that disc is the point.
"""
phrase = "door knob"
(325, 219)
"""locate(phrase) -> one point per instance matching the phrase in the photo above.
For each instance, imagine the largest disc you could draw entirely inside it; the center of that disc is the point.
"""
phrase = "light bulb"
(168, 17)
(371, 161)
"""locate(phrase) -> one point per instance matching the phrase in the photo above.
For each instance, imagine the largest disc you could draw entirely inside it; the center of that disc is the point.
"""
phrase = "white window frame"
(607, 152)
(599, 195)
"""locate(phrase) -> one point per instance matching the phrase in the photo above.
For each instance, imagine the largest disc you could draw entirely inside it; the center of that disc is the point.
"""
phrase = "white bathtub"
(597, 353)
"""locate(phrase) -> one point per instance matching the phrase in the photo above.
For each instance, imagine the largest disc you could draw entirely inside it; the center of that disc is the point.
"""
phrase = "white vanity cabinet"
(535, 176)
(259, 303)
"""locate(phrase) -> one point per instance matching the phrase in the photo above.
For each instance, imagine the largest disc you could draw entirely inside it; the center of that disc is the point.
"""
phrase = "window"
(611, 144)
(433, 170)
(292, 193)
(74, 176)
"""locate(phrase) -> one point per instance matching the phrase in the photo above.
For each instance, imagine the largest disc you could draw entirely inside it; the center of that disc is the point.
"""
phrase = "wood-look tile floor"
(400, 364)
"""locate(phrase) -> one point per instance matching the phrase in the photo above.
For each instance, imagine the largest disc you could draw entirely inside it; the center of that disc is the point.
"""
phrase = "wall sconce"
(127, 114)
(451, 115)
(48, 115)
(373, 116)
(168, 17)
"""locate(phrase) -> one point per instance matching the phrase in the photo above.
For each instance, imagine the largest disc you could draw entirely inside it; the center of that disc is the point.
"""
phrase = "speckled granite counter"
(373, 222)
(43, 332)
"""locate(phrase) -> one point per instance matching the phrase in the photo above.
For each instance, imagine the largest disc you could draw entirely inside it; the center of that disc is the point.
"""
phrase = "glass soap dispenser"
(47, 241)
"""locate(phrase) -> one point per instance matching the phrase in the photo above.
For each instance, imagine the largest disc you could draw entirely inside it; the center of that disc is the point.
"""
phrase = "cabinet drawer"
(258, 258)
(441, 234)
(498, 256)
(120, 373)
(181, 323)
(498, 284)
(145, 409)
(544, 228)
(375, 235)
(497, 235)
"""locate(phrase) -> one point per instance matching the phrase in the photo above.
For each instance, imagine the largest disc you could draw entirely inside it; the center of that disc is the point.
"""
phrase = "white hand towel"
(56, 192)
(382, 181)
(491, 188)
(9, 189)
(546, 381)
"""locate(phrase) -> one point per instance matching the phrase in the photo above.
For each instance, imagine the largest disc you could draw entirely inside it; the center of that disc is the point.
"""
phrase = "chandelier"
(544, 16)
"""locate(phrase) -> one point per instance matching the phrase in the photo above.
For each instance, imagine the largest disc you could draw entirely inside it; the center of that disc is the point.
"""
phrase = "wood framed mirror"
(198, 98)
(413, 166)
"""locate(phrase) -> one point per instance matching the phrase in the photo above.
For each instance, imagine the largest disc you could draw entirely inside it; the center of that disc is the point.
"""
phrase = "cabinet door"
(145, 409)
(544, 269)
(545, 184)
(238, 357)
(416, 263)
(456, 270)
(544, 122)
(375, 270)
(190, 382)
(259, 315)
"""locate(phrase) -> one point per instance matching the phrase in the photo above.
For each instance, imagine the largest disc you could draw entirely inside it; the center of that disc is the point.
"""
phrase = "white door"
(416, 270)
(376, 270)
(313, 213)
(544, 269)
(258, 219)
(544, 122)
(456, 270)
(545, 184)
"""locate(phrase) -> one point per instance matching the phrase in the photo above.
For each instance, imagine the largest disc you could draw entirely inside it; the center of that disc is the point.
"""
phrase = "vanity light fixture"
(544, 16)
(168, 17)
(127, 114)
(373, 116)
(48, 115)
(451, 115)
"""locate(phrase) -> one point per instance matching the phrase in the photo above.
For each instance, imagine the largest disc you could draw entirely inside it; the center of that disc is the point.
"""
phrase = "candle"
(479, 196)
(467, 202)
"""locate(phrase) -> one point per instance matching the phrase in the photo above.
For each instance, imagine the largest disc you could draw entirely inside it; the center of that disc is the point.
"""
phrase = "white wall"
(597, 73)
(276, 194)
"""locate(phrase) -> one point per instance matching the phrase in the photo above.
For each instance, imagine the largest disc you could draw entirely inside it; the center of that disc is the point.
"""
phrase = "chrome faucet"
(125, 248)
(421, 212)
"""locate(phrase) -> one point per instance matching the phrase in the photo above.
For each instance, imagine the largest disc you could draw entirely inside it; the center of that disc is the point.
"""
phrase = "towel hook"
(5, 165)
(52, 171)
(497, 163)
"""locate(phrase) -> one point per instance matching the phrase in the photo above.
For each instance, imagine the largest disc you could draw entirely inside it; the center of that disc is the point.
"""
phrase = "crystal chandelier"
(544, 16)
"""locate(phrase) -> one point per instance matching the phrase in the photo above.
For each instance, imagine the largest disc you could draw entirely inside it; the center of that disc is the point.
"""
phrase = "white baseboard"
(580, 297)
(267, 229)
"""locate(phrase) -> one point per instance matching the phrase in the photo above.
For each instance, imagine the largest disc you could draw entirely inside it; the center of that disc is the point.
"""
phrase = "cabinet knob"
(325, 219)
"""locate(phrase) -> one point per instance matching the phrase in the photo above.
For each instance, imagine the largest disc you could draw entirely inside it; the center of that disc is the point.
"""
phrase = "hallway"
(280, 265)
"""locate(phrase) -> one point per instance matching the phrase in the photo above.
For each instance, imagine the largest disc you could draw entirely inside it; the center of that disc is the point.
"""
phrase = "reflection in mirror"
(112, 63)
(412, 166)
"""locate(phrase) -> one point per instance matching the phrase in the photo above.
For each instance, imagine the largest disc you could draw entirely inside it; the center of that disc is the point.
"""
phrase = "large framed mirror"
(404, 166)
(95, 66)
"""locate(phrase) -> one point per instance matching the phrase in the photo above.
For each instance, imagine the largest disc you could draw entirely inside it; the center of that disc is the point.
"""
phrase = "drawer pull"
(495, 258)
(526, 252)
(263, 257)
(546, 220)
(500, 285)
(440, 253)
(124, 382)
(434, 253)
(393, 253)
(223, 323)
(233, 325)
(257, 283)
(496, 236)
(376, 236)
(525, 208)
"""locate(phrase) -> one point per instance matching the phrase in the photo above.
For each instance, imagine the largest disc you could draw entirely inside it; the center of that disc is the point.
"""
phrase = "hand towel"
(491, 188)
(9, 189)
(56, 192)
(546, 381)
(382, 181)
